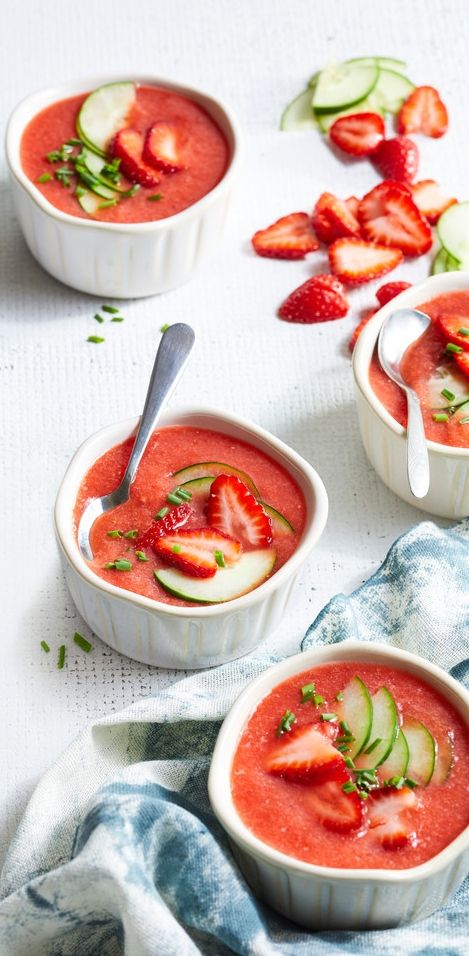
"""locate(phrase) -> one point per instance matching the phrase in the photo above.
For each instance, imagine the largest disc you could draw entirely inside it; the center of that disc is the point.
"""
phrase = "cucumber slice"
(205, 469)
(103, 113)
(198, 485)
(384, 727)
(90, 203)
(357, 711)
(396, 764)
(392, 89)
(369, 105)
(342, 85)
(280, 523)
(384, 62)
(448, 377)
(94, 184)
(95, 166)
(444, 759)
(453, 232)
(421, 751)
(298, 115)
(251, 570)
(443, 262)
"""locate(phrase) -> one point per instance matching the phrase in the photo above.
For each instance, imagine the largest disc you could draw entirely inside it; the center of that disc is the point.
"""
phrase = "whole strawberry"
(397, 159)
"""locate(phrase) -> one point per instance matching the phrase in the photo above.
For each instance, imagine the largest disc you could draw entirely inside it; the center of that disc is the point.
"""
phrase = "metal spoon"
(399, 330)
(171, 358)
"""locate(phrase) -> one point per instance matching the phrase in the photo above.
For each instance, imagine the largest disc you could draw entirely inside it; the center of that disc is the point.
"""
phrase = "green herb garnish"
(183, 494)
(131, 534)
(155, 198)
(318, 700)
(74, 142)
(339, 696)
(328, 717)
(165, 327)
(61, 657)
(464, 421)
(440, 417)
(118, 318)
(114, 533)
(161, 513)
(220, 559)
(120, 565)
(96, 339)
(79, 191)
(176, 548)
(447, 394)
(173, 498)
(44, 178)
(99, 318)
(141, 556)
(64, 176)
(397, 782)
(451, 347)
(108, 203)
(463, 331)
(45, 646)
(286, 723)
(349, 787)
(410, 782)
(369, 750)
(82, 642)
(307, 693)
(110, 309)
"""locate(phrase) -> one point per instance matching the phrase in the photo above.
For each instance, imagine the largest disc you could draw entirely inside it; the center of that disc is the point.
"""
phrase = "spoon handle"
(418, 471)
(171, 358)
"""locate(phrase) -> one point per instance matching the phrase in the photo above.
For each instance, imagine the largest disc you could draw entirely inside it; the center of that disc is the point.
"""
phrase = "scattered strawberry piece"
(319, 299)
(175, 518)
(162, 147)
(332, 218)
(306, 754)
(462, 359)
(423, 112)
(128, 146)
(337, 810)
(450, 325)
(291, 237)
(397, 159)
(369, 313)
(235, 511)
(389, 290)
(392, 814)
(358, 133)
(429, 199)
(388, 214)
(193, 550)
(352, 204)
(355, 261)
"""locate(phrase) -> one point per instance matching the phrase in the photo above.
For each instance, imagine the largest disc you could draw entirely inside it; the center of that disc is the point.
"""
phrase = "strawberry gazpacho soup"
(124, 153)
(437, 367)
(209, 517)
(354, 766)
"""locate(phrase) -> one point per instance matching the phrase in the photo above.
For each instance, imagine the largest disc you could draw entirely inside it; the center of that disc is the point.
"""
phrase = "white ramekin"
(385, 440)
(116, 259)
(184, 637)
(321, 897)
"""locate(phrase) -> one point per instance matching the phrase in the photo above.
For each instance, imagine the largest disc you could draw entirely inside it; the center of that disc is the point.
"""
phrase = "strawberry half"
(128, 146)
(291, 237)
(193, 551)
(358, 134)
(462, 360)
(332, 218)
(423, 112)
(369, 313)
(307, 754)
(355, 261)
(391, 814)
(397, 159)
(236, 512)
(318, 300)
(175, 518)
(450, 324)
(389, 291)
(388, 214)
(429, 199)
(352, 205)
(162, 147)
(337, 810)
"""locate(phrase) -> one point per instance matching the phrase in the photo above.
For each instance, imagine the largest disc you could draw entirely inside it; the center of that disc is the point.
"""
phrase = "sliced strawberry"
(388, 214)
(389, 291)
(355, 261)
(234, 510)
(369, 313)
(450, 324)
(332, 218)
(127, 146)
(429, 199)
(317, 300)
(291, 237)
(336, 809)
(306, 754)
(462, 359)
(193, 551)
(423, 112)
(358, 133)
(352, 204)
(392, 816)
(175, 518)
(162, 147)
(397, 159)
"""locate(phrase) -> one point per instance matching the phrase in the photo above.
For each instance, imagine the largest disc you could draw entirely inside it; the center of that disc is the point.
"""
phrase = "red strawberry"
(193, 551)
(127, 147)
(358, 133)
(369, 313)
(423, 112)
(336, 809)
(291, 237)
(317, 300)
(389, 215)
(429, 199)
(355, 261)
(397, 159)
(352, 204)
(462, 359)
(162, 147)
(392, 815)
(388, 291)
(307, 754)
(234, 510)
(333, 219)
(450, 324)
(175, 518)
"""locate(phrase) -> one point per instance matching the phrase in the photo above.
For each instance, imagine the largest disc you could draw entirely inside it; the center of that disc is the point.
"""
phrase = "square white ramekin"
(184, 637)
(116, 259)
(321, 897)
(385, 440)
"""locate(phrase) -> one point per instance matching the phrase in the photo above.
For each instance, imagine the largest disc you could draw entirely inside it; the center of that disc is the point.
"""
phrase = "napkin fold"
(118, 851)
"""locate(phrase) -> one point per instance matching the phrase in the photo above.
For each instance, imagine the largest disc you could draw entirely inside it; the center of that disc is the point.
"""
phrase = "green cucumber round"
(89, 202)
(198, 485)
(443, 262)
(453, 232)
(298, 115)
(397, 762)
(280, 523)
(103, 113)
(392, 89)
(204, 469)
(384, 729)
(342, 85)
(356, 710)
(444, 759)
(422, 751)
(384, 62)
(368, 105)
(248, 573)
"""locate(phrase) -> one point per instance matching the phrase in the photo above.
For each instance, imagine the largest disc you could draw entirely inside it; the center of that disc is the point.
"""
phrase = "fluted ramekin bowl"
(322, 897)
(120, 260)
(384, 439)
(166, 635)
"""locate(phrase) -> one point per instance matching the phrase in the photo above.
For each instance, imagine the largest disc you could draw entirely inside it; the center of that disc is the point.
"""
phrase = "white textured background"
(294, 380)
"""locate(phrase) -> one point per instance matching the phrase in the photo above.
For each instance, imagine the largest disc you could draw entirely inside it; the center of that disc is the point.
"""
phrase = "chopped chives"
(161, 513)
(45, 646)
(349, 763)
(286, 723)
(44, 178)
(99, 318)
(118, 318)
(342, 748)
(165, 327)
(122, 565)
(345, 739)
(73, 142)
(183, 494)
(155, 198)
(328, 716)
(339, 696)
(363, 795)
(109, 566)
(318, 700)
(307, 693)
(447, 394)
(110, 309)
(397, 782)
(131, 534)
(141, 556)
(369, 750)
(97, 339)
(410, 782)
(349, 787)
(451, 347)
(463, 330)
(176, 549)
(464, 421)
(108, 203)
(173, 498)
(440, 417)
(345, 728)
(114, 533)
(220, 559)
(82, 642)
(80, 191)
(61, 657)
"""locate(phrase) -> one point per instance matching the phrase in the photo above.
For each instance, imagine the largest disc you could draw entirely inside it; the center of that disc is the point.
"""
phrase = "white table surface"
(295, 380)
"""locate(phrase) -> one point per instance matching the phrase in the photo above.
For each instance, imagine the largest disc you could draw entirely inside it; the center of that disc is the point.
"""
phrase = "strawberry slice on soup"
(392, 816)
(195, 551)
(307, 754)
(233, 510)
(163, 147)
(336, 803)
(128, 147)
